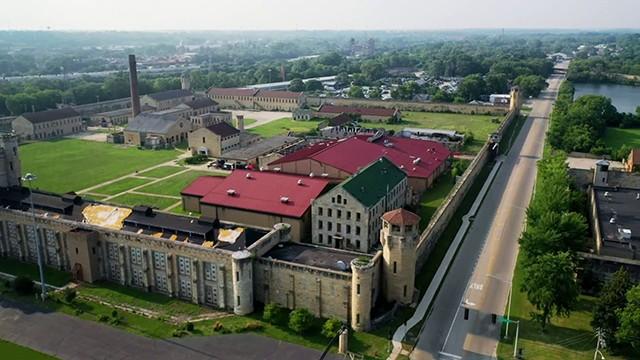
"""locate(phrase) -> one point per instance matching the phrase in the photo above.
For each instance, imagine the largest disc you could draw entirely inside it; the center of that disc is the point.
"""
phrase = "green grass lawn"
(14, 351)
(51, 276)
(432, 198)
(72, 165)
(173, 185)
(480, 125)
(283, 127)
(120, 186)
(138, 199)
(161, 171)
(565, 339)
(247, 122)
(616, 137)
(118, 294)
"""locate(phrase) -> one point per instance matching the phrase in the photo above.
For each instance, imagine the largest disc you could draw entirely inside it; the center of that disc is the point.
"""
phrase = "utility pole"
(29, 177)
(599, 342)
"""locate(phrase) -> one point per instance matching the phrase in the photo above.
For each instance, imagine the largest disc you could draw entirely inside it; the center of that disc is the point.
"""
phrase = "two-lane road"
(481, 273)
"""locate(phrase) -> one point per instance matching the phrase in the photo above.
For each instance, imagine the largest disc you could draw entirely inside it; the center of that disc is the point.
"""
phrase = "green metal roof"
(373, 182)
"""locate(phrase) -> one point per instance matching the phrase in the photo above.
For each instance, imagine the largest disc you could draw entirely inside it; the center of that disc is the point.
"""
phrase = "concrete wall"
(450, 205)
(412, 105)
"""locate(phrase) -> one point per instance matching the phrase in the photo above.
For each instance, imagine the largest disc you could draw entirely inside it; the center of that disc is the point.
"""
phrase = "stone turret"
(10, 168)
(515, 101)
(399, 236)
(185, 82)
(363, 270)
(242, 267)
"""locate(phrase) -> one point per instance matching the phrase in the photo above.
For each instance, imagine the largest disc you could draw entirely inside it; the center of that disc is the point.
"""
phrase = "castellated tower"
(242, 266)
(363, 275)
(10, 169)
(399, 237)
(515, 101)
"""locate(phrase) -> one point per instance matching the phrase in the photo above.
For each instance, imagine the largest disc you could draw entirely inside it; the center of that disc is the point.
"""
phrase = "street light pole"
(29, 177)
(506, 332)
(515, 344)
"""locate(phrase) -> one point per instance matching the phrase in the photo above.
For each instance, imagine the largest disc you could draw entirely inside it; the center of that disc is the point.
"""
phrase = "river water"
(625, 98)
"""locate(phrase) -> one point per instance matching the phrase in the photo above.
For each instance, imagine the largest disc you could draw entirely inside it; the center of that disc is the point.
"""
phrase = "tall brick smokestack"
(133, 82)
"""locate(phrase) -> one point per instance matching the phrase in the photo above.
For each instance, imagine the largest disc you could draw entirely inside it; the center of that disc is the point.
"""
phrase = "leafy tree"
(630, 319)
(313, 85)
(342, 79)
(332, 59)
(300, 320)
(471, 87)
(296, 85)
(441, 96)
(611, 301)
(355, 92)
(331, 327)
(497, 83)
(375, 93)
(530, 85)
(274, 314)
(20, 103)
(550, 285)
(372, 70)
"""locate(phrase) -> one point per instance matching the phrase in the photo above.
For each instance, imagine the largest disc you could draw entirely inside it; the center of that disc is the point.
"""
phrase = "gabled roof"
(200, 102)
(266, 192)
(340, 120)
(223, 129)
(335, 109)
(417, 158)
(278, 94)
(152, 123)
(373, 183)
(401, 217)
(170, 94)
(231, 92)
(50, 115)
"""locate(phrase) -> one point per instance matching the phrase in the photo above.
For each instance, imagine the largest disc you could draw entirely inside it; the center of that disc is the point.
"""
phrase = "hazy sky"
(316, 14)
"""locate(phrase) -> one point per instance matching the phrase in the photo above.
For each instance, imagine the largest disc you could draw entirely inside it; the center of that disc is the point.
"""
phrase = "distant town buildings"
(48, 124)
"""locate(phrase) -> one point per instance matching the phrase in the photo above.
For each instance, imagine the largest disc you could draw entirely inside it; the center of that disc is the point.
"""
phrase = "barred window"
(114, 271)
(185, 288)
(184, 265)
(210, 293)
(210, 271)
(136, 256)
(159, 260)
(161, 282)
(137, 278)
(113, 251)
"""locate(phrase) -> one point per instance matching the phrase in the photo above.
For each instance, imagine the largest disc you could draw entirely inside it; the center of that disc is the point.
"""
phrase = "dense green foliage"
(610, 302)
(629, 331)
(274, 314)
(622, 57)
(23, 285)
(330, 327)
(555, 231)
(300, 320)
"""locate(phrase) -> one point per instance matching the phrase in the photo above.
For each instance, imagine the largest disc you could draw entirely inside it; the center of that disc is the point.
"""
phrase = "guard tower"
(399, 237)
(601, 173)
(516, 101)
(10, 168)
(185, 81)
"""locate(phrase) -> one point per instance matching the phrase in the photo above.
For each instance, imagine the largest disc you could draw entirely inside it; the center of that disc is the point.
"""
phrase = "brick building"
(47, 124)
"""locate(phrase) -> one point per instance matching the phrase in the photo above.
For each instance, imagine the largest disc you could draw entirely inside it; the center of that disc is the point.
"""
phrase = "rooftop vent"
(276, 169)
(341, 265)
(284, 199)
(606, 194)
(324, 175)
(300, 182)
(638, 196)
(248, 176)
(612, 220)
(311, 175)
(416, 161)
(231, 192)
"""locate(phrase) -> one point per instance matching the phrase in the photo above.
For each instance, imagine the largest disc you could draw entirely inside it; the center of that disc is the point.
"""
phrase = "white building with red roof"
(422, 161)
(256, 198)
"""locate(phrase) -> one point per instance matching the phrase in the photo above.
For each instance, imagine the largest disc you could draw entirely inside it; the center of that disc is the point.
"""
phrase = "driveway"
(67, 337)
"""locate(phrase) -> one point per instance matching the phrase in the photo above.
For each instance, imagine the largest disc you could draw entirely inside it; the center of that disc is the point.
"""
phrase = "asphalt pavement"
(68, 337)
(480, 277)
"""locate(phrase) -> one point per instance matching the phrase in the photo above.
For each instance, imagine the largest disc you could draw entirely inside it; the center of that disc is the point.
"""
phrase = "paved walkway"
(261, 117)
(67, 337)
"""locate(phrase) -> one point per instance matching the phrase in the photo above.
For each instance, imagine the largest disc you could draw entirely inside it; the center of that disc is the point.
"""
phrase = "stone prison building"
(205, 261)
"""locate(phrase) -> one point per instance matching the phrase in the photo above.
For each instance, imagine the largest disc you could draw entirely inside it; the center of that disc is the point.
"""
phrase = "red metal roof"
(335, 109)
(417, 158)
(264, 192)
(401, 217)
(278, 94)
(231, 92)
(202, 185)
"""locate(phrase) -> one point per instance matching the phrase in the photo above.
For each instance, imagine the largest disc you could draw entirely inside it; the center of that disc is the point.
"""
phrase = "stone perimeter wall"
(498, 110)
(444, 213)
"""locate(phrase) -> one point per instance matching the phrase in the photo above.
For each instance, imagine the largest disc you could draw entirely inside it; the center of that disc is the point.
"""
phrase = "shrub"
(300, 320)
(23, 285)
(196, 159)
(253, 326)
(218, 326)
(189, 326)
(274, 314)
(69, 295)
(331, 327)
(78, 312)
(103, 318)
(114, 313)
(179, 333)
